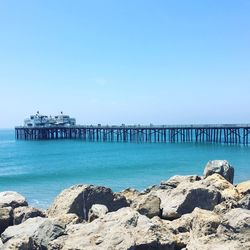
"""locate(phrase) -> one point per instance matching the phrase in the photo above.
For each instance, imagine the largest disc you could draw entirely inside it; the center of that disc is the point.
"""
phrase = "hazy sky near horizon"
(133, 61)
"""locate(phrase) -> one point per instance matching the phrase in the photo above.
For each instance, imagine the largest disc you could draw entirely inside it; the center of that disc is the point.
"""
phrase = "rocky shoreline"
(183, 212)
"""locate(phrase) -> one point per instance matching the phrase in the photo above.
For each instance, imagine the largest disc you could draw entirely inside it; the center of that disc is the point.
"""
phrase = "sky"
(125, 61)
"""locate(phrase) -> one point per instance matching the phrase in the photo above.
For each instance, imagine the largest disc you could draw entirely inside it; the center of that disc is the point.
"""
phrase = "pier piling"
(227, 133)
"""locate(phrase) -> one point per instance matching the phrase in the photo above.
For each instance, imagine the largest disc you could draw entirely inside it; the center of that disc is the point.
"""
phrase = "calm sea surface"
(41, 169)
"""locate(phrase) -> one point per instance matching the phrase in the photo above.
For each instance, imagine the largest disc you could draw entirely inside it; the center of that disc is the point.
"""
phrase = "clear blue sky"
(130, 61)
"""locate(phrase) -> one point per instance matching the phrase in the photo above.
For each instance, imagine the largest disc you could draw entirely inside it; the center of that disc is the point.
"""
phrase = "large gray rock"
(80, 198)
(40, 230)
(205, 193)
(21, 214)
(6, 218)
(221, 167)
(120, 230)
(12, 199)
(149, 205)
(97, 211)
(186, 197)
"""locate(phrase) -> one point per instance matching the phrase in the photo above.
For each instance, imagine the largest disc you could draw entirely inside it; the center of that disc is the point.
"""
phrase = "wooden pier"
(227, 133)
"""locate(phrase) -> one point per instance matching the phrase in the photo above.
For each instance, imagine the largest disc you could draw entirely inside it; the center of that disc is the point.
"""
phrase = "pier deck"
(213, 133)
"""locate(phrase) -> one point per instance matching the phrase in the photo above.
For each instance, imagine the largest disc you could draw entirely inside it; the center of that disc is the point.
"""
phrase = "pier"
(214, 133)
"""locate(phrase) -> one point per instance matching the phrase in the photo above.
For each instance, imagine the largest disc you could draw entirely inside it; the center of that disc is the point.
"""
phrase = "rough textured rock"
(198, 223)
(79, 199)
(20, 243)
(97, 211)
(41, 230)
(232, 233)
(177, 179)
(21, 214)
(226, 206)
(120, 230)
(186, 196)
(204, 222)
(6, 218)
(221, 167)
(243, 187)
(66, 219)
(12, 199)
(237, 221)
(149, 205)
(227, 190)
(245, 202)
(130, 194)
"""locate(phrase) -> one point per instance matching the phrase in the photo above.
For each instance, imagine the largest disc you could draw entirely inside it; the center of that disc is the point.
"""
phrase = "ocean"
(40, 170)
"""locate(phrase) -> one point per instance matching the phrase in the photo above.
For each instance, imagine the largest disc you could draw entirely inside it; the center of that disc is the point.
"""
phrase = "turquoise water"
(41, 169)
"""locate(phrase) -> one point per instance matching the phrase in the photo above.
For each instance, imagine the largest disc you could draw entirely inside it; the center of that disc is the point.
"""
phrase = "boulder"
(204, 222)
(245, 202)
(20, 243)
(226, 189)
(80, 198)
(226, 206)
(233, 232)
(21, 214)
(66, 219)
(243, 187)
(130, 194)
(196, 224)
(149, 205)
(187, 196)
(236, 221)
(40, 230)
(12, 199)
(97, 211)
(177, 179)
(221, 167)
(6, 218)
(120, 230)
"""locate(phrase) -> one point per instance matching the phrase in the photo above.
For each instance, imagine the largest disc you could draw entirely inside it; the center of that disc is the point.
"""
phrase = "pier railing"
(213, 133)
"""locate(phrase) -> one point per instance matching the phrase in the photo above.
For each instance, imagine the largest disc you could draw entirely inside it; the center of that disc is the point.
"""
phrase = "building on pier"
(39, 120)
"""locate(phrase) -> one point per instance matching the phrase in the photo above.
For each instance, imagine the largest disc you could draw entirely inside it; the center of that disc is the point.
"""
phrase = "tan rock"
(12, 199)
(97, 211)
(20, 243)
(66, 219)
(177, 179)
(232, 233)
(79, 199)
(227, 190)
(41, 230)
(120, 230)
(204, 222)
(186, 197)
(243, 187)
(21, 214)
(131, 195)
